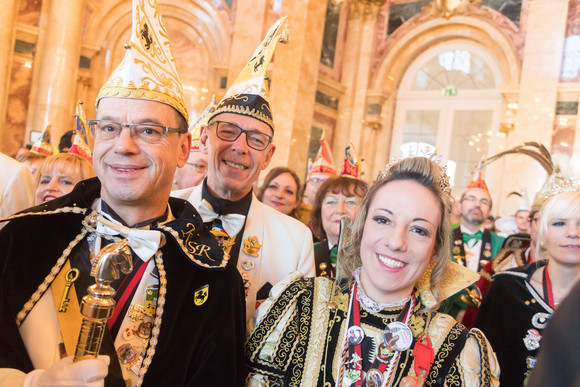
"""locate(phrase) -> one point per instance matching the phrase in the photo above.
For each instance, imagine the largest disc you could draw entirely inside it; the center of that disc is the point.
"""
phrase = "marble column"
(358, 55)
(55, 68)
(538, 94)
(248, 31)
(8, 18)
(294, 75)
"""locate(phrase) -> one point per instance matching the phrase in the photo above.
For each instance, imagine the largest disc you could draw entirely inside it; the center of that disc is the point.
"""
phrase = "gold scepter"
(98, 305)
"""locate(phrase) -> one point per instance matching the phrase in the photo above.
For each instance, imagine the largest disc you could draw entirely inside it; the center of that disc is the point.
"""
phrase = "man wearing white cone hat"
(179, 314)
(264, 244)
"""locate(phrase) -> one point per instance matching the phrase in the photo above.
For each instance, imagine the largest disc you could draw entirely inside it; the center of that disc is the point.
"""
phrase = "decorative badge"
(540, 320)
(532, 340)
(200, 295)
(398, 336)
(151, 300)
(136, 312)
(355, 335)
(374, 378)
(531, 362)
(248, 265)
(252, 246)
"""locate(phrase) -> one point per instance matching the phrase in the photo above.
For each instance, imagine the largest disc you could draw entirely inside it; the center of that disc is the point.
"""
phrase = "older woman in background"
(520, 301)
(281, 190)
(377, 324)
(58, 175)
(337, 197)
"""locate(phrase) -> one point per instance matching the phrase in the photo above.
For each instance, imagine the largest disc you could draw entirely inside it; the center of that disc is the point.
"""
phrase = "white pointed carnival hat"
(249, 95)
(148, 69)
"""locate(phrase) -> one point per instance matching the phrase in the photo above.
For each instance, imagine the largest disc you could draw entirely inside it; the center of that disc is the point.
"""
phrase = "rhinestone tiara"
(443, 186)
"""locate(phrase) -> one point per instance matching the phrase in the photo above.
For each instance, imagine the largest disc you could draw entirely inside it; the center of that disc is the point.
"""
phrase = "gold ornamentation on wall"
(449, 8)
(365, 8)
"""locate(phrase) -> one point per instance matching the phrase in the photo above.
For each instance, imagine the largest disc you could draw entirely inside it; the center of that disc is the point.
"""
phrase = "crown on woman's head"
(436, 159)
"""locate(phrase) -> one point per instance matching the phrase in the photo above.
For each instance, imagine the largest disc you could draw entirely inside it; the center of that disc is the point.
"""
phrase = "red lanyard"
(381, 366)
(547, 285)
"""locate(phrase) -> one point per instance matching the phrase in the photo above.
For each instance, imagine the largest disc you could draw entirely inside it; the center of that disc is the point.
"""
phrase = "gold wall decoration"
(449, 8)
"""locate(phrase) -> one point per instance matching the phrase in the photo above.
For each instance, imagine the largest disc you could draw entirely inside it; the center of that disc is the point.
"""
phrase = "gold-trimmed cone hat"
(323, 163)
(203, 119)
(42, 146)
(351, 165)
(148, 69)
(249, 94)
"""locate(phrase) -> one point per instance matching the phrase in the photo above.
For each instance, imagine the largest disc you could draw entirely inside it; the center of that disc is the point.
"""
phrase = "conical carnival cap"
(323, 163)
(249, 94)
(203, 119)
(42, 146)
(351, 166)
(148, 69)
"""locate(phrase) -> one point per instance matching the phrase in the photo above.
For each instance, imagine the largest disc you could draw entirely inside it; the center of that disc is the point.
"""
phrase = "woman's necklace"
(397, 339)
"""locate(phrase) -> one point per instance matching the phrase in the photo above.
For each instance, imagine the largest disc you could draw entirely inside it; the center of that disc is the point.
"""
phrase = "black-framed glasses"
(149, 133)
(230, 132)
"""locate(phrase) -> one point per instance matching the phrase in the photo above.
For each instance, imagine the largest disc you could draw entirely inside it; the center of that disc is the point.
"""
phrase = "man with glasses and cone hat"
(264, 244)
(177, 317)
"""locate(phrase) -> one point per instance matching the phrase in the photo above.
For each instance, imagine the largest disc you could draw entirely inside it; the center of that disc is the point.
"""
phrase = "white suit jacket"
(286, 245)
(17, 187)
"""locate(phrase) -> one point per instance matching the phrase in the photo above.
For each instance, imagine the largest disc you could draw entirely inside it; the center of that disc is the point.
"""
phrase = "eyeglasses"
(199, 167)
(149, 133)
(472, 199)
(317, 180)
(230, 132)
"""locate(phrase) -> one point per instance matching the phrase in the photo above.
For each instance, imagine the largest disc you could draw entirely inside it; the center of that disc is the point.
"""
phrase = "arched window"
(449, 100)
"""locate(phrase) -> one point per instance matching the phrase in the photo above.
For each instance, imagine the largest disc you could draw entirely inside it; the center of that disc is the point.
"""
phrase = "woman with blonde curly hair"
(377, 324)
(58, 175)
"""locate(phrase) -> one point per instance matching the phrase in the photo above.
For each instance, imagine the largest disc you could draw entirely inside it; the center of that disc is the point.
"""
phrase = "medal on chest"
(397, 338)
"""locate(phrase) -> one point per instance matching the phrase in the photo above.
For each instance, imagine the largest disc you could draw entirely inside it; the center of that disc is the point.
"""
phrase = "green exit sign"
(449, 92)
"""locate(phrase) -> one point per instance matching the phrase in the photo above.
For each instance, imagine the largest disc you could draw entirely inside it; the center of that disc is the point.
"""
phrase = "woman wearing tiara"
(526, 297)
(377, 324)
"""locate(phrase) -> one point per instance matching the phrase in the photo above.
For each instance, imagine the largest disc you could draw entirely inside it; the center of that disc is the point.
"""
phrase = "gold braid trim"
(318, 331)
(49, 278)
(75, 210)
(244, 110)
(158, 314)
(485, 374)
(143, 92)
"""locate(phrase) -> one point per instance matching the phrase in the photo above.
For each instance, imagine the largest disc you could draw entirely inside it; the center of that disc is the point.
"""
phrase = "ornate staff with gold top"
(98, 305)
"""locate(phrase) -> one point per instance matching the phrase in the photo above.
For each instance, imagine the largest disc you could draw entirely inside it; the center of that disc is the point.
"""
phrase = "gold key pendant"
(71, 277)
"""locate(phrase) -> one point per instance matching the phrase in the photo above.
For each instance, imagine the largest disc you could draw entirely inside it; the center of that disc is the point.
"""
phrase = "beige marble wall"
(357, 61)
(18, 97)
(249, 27)
(8, 12)
(538, 92)
(294, 76)
(55, 67)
